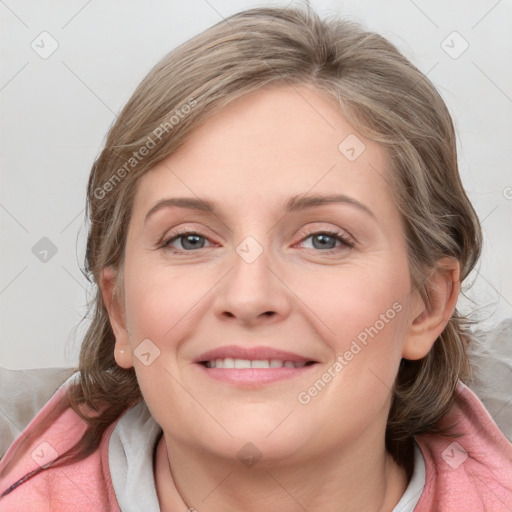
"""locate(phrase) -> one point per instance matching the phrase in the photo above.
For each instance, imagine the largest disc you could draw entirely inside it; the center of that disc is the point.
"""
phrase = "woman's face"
(264, 270)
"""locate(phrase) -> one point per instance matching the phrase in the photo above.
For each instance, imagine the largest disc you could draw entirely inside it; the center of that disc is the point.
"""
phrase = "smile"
(230, 362)
(252, 367)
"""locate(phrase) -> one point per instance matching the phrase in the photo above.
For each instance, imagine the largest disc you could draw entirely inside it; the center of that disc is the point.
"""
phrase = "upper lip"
(253, 354)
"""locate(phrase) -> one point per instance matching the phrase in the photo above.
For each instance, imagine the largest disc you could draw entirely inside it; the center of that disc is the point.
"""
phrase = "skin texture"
(249, 159)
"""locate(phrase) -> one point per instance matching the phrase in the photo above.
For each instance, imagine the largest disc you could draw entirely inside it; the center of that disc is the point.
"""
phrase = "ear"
(116, 313)
(429, 318)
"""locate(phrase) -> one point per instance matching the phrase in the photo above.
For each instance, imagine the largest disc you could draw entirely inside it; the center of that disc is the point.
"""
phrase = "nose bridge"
(251, 288)
(252, 240)
(251, 275)
(249, 249)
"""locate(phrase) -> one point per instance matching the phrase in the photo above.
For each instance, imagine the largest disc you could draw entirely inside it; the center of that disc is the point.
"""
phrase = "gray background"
(56, 110)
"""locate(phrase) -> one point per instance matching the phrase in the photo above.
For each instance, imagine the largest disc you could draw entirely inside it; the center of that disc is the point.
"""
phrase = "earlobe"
(122, 349)
(429, 317)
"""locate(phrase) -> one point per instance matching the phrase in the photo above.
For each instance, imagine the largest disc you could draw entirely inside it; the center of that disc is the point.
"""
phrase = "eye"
(190, 240)
(326, 240)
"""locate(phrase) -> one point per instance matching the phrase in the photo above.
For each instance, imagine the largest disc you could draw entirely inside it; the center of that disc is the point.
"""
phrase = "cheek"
(362, 317)
(159, 305)
(371, 313)
(349, 300)
(159, 301)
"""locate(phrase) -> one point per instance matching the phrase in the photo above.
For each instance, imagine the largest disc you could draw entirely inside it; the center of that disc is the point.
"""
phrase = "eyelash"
(334, 234)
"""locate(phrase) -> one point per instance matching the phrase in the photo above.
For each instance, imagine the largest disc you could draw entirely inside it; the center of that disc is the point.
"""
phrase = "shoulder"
(472, 471)
(55, 429)
(24, 393)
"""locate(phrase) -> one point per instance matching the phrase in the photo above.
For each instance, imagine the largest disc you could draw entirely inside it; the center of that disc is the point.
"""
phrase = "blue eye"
(326, 240)
(190, 240)
(322, 240)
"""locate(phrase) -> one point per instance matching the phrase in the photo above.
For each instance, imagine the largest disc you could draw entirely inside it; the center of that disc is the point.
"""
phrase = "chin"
(265, 441)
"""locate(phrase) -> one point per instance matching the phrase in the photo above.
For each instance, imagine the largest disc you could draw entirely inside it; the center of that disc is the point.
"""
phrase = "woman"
(279, 235)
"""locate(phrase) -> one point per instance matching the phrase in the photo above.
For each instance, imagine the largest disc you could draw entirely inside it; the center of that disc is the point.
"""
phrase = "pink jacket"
(468, 474)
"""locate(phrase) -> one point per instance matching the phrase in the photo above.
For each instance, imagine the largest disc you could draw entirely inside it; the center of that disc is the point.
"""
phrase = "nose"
(253, 292)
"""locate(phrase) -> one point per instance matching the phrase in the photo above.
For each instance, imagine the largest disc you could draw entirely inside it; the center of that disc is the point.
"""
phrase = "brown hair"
(381, 93)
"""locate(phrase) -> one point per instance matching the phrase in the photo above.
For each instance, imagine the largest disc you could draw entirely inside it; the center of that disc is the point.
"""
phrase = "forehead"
(269, 145)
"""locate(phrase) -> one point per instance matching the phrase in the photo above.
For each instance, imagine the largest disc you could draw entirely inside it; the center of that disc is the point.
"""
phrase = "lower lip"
(254, 376)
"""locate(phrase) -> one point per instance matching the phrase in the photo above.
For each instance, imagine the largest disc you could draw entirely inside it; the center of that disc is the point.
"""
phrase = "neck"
(360, 480)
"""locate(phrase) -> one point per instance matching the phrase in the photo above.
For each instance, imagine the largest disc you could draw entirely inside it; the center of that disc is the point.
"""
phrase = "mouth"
(252, 367)
(243, 364)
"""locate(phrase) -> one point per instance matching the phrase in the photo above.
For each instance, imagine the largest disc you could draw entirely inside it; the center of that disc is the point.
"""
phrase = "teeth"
(229, 362)
(239, 363)
(260, 364)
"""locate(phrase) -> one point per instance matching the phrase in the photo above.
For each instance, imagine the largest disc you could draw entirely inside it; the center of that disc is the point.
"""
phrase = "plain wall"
(56, 110)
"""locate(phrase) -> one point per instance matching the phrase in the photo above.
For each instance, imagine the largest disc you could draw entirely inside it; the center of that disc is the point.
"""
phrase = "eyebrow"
(294, 204)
